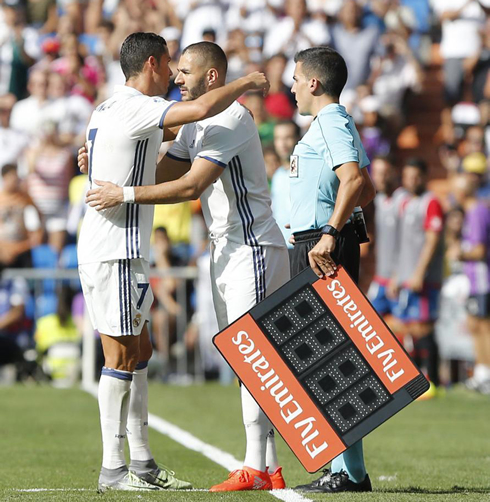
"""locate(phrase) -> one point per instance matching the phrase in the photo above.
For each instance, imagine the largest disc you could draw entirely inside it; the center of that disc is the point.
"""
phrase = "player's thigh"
(118, 295)
(277, 270)
(145, 347)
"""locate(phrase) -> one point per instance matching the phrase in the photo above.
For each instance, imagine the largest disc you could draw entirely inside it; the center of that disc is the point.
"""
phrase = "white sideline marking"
(218, 456)
(387, 478)
(31, 490)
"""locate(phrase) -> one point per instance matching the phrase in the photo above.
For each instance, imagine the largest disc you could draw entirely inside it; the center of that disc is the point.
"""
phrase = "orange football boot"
(244, 479)
(278, 482)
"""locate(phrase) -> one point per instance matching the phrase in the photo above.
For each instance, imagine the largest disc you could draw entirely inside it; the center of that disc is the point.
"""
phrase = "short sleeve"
(179, 149)
(434, 216)
(338, 139)
(222, 142)
(146, 114)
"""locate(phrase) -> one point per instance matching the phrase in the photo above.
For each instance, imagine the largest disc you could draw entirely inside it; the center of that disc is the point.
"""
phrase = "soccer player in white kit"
(249, 259)
(124, 136)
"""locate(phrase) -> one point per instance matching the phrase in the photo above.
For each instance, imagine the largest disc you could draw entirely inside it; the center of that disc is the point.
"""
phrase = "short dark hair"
(297, 130)
(8, 168)
(137, 48)
(418, 163)
(211, 54)
(326, 65)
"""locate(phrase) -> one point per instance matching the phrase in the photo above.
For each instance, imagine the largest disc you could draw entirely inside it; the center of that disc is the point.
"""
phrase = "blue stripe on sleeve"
(174, 157)
(160, 125)
(214, 161)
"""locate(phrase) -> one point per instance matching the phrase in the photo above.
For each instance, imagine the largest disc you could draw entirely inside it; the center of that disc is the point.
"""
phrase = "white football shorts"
(242, 276)
(118, 295)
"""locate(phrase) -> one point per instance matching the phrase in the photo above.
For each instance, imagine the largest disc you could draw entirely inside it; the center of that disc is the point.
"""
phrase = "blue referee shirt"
(332, 140)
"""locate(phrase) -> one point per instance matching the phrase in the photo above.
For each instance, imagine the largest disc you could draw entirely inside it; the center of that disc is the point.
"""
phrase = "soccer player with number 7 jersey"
(124, 136)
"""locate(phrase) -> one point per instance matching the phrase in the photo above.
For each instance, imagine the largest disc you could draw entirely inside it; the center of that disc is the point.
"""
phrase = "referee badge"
(293, 166)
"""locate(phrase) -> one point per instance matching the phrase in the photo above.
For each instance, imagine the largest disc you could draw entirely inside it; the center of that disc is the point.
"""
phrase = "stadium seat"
(44, 256)
(68, 256)
(46, 304)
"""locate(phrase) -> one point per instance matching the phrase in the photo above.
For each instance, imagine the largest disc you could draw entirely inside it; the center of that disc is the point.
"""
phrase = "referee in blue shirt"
(328, 180)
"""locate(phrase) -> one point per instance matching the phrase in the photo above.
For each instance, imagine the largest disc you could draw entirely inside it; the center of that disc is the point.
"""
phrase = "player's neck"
(141, 85)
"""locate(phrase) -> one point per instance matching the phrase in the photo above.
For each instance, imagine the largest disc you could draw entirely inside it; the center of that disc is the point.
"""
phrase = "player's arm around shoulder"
(214, 101)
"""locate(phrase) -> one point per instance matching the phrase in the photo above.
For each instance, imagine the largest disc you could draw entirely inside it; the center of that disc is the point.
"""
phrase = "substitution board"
(322, 365)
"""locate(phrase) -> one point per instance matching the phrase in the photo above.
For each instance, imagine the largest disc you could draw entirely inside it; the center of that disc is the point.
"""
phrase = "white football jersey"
(237, 205)
(123, 136)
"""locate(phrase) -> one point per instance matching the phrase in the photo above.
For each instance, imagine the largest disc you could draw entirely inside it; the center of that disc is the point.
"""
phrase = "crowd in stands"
(59, 59)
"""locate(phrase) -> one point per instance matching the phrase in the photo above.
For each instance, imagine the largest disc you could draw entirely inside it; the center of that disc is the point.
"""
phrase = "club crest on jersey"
(137, 320)
(293, 166)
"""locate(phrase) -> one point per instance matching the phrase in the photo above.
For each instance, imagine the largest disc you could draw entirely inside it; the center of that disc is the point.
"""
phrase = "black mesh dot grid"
(357, 403)
(313, 343)
(295, 314)
(337, 375)
(326, 361)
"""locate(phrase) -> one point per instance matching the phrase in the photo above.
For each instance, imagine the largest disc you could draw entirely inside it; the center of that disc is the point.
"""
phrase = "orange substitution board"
(322, 365)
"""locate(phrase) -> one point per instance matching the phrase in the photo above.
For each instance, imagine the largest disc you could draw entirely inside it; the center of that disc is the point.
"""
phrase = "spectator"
(356, 44)
(70, 112)
(58, 341)
(50, 170)
(279, 101)
(418, 271)
(475, 164)
(254, 101)
(294, 32)
(20, 222)
(14, 336)
(27, 114)
(474, 252)
(272, 162)
(461, 21)
(286, 135)
(395, 73)
(165, 309)
(16, 55)
(372, 136)
(13, 142)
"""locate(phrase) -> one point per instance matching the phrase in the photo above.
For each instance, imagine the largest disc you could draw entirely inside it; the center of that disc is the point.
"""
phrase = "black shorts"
(479, 305)
(346, 253)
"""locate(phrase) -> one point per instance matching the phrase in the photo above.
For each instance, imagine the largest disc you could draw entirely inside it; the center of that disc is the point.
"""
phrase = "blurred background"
(418, 89)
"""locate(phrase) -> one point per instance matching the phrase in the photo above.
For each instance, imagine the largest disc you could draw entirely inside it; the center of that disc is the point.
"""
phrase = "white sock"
(481, 372)
(114, 392)
(256, 429)
(137, 427)
(271, 453)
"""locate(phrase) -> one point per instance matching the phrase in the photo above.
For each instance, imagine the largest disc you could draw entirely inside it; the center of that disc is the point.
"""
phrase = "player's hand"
(320, 257)
(259, 82)
(416, 283)
(105, 195)
(82, 160)
(393, 289)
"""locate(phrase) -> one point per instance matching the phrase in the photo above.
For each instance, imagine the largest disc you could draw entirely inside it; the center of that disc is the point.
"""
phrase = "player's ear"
(212, 76)
(152, 63)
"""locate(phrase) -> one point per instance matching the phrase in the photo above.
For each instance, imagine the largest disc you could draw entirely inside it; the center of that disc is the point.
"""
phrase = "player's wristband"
(128, 195)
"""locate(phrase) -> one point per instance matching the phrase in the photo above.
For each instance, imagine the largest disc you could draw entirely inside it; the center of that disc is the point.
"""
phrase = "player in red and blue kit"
(420, 265)
(386, 219)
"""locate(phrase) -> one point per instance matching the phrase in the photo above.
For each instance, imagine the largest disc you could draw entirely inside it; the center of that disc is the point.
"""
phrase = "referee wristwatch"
(329, 230)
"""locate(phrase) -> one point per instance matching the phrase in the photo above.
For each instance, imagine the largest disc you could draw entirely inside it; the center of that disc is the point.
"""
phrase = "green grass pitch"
(436, 450)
